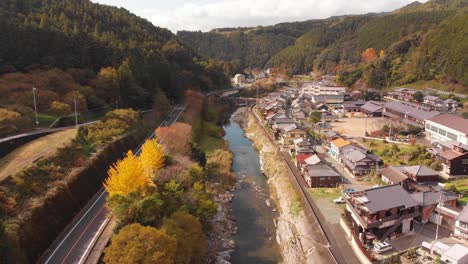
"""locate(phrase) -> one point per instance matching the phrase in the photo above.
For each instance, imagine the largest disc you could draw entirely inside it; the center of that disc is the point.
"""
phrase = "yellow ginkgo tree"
(151, 157)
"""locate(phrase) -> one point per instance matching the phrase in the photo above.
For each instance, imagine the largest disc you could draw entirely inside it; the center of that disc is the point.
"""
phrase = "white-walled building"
(447, 127)
(315, 89)
(239, 79)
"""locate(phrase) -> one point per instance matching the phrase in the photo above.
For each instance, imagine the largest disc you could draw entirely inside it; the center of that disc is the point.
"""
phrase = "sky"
(205, 15)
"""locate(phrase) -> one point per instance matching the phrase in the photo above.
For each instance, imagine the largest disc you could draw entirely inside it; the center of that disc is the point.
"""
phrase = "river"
(255, 238)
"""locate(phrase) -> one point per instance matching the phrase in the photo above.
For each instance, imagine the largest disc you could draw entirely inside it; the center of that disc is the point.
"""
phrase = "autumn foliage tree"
(139, 244)
(188, 231)
(369, 55)
(151, 157)
(176, 138)
(126, 176)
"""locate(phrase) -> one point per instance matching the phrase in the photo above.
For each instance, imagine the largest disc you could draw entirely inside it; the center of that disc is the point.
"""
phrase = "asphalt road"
(75, 243)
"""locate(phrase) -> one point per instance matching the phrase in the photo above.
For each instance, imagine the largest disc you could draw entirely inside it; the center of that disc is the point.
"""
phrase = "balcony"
(368, 223)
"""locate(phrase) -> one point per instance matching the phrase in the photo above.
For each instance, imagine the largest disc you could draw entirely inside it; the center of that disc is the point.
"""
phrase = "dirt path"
(27, 154)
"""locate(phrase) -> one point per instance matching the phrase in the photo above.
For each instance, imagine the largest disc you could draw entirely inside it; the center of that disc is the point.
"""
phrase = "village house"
(403, 94)
(450, 254)
(353, 106)
(435, 103)
(320, 175)
(357, 161)
(447, 127)
(380, 212)
(461, 224)
(405, 174)
(408, 113)
(336, 146)
(372, 108)
(452, 104)
(429, 200)
(454, 158)
(289, 133)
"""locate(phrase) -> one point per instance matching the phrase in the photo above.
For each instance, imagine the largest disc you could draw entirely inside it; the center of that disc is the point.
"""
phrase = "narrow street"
(340, 248)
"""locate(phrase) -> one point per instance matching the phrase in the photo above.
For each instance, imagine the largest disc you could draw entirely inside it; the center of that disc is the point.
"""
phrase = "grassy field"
(327, 193)
(399, 154)
(32, 151)
(460, 186)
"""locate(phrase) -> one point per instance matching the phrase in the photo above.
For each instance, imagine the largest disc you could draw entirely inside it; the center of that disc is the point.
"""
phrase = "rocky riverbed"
(295, 232)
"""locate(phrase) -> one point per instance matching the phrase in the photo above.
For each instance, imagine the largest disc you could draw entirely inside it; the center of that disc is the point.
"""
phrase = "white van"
(382, 247)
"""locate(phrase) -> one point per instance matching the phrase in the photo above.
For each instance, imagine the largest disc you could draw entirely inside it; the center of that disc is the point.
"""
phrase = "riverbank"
(299, 238)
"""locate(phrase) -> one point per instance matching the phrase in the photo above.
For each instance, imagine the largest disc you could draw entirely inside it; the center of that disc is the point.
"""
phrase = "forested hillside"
(416, 42)
(100, 54)
(247, 47)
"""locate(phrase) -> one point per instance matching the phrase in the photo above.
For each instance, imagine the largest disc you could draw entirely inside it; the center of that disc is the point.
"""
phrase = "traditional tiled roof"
(386, 197)
(405, 108)
(321, 170)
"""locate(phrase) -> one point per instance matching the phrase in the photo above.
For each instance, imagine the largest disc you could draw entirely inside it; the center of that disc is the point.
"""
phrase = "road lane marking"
(81, 235)
(93, 241)
(166, 120)
(77, 223)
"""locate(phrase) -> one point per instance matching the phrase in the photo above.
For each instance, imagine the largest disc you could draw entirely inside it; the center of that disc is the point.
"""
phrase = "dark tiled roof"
(393, 174)
(420, 170)
(417, 113)
(372, 107)
(454, 122)
(432, 197)
(387, 197)
(321, 170)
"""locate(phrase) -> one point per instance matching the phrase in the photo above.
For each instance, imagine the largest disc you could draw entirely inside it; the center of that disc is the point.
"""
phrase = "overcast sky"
(208, 14)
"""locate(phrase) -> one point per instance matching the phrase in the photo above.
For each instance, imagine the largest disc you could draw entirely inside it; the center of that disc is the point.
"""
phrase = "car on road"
(339, 200)
(382, 247)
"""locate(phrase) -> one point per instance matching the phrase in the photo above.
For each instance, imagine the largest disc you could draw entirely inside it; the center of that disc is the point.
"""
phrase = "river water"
(255, 238)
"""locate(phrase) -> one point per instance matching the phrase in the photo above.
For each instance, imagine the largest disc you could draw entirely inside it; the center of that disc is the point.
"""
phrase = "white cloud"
(208, 14)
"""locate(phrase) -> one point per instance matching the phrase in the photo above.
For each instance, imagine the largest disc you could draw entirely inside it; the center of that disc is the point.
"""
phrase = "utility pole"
(35, 106)
(257, 94)
(76, 115)
(439, 219)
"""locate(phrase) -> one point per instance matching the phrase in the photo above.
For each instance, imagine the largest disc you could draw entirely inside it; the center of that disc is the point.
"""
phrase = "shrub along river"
(252, 206)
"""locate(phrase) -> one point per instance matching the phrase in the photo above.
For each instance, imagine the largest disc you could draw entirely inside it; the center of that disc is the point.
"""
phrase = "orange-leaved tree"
(369, 55)
(126, 176)
(151, 157)
(176, 138)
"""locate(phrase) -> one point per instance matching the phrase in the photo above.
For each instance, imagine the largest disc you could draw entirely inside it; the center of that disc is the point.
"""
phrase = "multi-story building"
(336, 146)
(378, 213)
(316, 89)
(447, 127)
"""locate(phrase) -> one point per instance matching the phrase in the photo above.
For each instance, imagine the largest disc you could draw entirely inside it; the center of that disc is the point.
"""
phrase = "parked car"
(339, 200)
(382, 247)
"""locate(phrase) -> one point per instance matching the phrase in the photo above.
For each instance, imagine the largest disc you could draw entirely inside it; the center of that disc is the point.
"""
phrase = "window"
(428, 127)
(465, 161)
(323, 178)
(435, 129)
(442, 132)
(451, 136)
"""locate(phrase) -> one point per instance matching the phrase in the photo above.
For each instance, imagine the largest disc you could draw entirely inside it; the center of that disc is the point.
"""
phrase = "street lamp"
(35, 107)
(76, 115)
